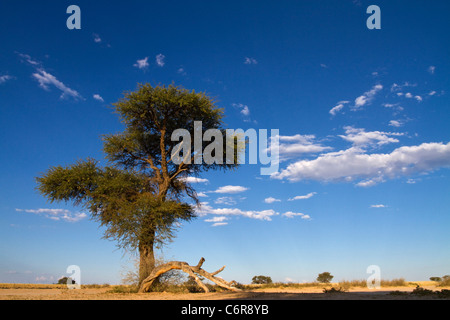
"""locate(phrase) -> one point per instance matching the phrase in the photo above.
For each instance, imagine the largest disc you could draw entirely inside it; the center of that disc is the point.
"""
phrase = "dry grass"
(48, 286)
(355, 289)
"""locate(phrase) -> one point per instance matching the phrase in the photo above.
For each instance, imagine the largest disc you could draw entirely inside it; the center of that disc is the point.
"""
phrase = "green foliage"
(324, 277)
(261, 280)
(151, 114)
(122, 201)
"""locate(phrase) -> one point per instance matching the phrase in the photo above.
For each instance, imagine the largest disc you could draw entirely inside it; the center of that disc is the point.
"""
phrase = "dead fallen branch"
(193, 271)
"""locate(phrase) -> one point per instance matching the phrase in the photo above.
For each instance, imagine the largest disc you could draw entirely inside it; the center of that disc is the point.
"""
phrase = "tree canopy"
(142, 195)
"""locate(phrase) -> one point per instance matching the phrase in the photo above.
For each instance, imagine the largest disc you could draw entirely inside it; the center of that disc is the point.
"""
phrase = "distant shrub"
(445, 281)
(437, 279)
(66, 280)
(442, 281)
(261, 280)
(324, 277)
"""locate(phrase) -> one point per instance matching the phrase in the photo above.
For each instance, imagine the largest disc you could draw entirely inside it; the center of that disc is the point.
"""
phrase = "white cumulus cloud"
(355, 164)
(271, 200)
(230, 189)
(362, 138)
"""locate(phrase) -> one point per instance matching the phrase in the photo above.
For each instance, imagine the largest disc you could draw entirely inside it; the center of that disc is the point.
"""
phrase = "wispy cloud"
(307, 196)
(431, 69)
(57, 214)
(160, 60)
(244, 110)
(142, 63)
(248, 60)
(28, 59)
(97, 38)
(204, 209)
(367, 97)
(378, 206)
(396, 123)
(399, 87)
(225, 200)
(218, 221)
(46, 79)
(338, 108)
(290, 146)
(5, 78)
(98, 97)
(291, 214)
(360, 137)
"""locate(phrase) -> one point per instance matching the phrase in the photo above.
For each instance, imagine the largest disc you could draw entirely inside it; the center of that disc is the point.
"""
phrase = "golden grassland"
(48, 286)
(345, 284)
(354, 289)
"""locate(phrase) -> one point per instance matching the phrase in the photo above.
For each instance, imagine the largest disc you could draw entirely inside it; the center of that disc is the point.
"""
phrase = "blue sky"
(362, 115)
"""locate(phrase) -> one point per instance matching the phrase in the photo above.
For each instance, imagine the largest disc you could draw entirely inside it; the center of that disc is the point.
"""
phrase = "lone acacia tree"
(141, 197)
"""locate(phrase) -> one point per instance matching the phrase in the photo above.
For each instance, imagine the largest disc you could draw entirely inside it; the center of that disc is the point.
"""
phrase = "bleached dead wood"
(192, 271)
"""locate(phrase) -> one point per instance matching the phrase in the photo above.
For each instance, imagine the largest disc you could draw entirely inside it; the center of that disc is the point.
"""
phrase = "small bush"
(324, 277)
(66, 280)
(422, 291)
(261, 280)
(444, 283)
(437, 279)
(335, 290)
(192, 287)
(443, 294)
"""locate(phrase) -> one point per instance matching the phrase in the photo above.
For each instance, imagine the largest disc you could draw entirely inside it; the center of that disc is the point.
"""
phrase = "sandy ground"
(315, 293)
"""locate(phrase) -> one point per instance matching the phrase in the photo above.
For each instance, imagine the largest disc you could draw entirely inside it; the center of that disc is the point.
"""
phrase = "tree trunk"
(146, 260)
